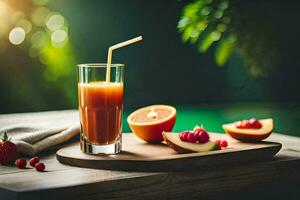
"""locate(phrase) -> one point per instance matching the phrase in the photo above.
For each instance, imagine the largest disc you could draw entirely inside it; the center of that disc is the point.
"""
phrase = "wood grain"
(138, 155)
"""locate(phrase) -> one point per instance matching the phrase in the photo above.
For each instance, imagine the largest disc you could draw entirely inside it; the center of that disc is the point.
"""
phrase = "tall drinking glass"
(100, 108)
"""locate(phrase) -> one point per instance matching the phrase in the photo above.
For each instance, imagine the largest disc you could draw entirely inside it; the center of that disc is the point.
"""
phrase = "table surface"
(62, 181)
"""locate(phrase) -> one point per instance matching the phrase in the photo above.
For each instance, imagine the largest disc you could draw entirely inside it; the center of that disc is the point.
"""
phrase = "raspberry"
(199, 129)
(191, 138)
(248, 124)
(203, 136)
(197, 133)
(197, 136)
(223, 143)
(40, 167)
(34, 160)
(218, 142)
(183, 136)
(20, 163)
(239, 124)
(252, 121)
(255, 123)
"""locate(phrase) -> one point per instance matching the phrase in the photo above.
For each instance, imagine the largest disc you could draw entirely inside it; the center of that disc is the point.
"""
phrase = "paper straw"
(116, 46)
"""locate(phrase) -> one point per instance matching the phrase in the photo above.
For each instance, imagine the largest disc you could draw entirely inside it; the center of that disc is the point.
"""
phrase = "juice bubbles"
(100, 107)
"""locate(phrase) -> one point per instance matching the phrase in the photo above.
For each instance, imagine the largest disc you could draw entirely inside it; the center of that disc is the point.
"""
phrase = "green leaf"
(208, 40)
(197, 127)
(223, 5)
(192, 9)
(194, 36)
(187, 33)
(5, 137)
(201, 25)
(183, 22)
(224, 50)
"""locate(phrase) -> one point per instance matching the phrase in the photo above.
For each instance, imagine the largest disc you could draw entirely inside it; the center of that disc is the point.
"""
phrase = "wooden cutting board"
(138, 155)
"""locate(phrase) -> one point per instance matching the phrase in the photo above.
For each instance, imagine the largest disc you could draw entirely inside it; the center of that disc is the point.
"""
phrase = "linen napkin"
(38, 133)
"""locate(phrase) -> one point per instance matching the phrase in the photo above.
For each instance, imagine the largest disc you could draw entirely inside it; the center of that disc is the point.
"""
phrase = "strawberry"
(8, 151)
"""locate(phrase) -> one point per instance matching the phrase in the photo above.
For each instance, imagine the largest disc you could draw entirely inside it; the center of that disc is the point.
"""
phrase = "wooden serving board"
(138, 155)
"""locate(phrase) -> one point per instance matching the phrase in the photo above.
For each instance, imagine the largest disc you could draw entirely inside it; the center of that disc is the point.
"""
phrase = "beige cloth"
(33, 134)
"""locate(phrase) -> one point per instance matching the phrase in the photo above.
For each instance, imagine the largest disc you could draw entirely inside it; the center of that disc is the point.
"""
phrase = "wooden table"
(273, 178)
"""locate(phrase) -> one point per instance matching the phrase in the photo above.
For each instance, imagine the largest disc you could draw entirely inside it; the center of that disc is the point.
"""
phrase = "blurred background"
(215, 61)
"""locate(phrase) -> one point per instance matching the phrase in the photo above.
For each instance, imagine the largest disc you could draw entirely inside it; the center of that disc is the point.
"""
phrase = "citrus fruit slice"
(149, 122)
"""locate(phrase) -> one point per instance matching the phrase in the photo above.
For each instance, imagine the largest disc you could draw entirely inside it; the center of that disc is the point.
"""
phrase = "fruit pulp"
(100, 107)
(151, 115)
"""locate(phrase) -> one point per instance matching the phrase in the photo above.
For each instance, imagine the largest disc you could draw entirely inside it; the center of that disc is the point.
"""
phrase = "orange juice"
(100, 107)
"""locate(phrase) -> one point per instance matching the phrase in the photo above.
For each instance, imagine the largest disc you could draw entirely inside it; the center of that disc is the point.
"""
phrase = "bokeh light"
(33, 31)
(17, 35)
(221, 27)
(39, 16)
(55, 22)
(16, 16)
(38, 39)
(218, 14)
(58, 38)
(205, 11)
(25, 24)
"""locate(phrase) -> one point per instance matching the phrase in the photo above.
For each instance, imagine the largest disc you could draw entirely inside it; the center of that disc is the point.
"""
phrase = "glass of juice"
(100, 108)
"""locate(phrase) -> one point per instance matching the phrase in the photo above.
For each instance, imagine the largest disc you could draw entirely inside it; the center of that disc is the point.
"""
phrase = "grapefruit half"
(149, 122)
